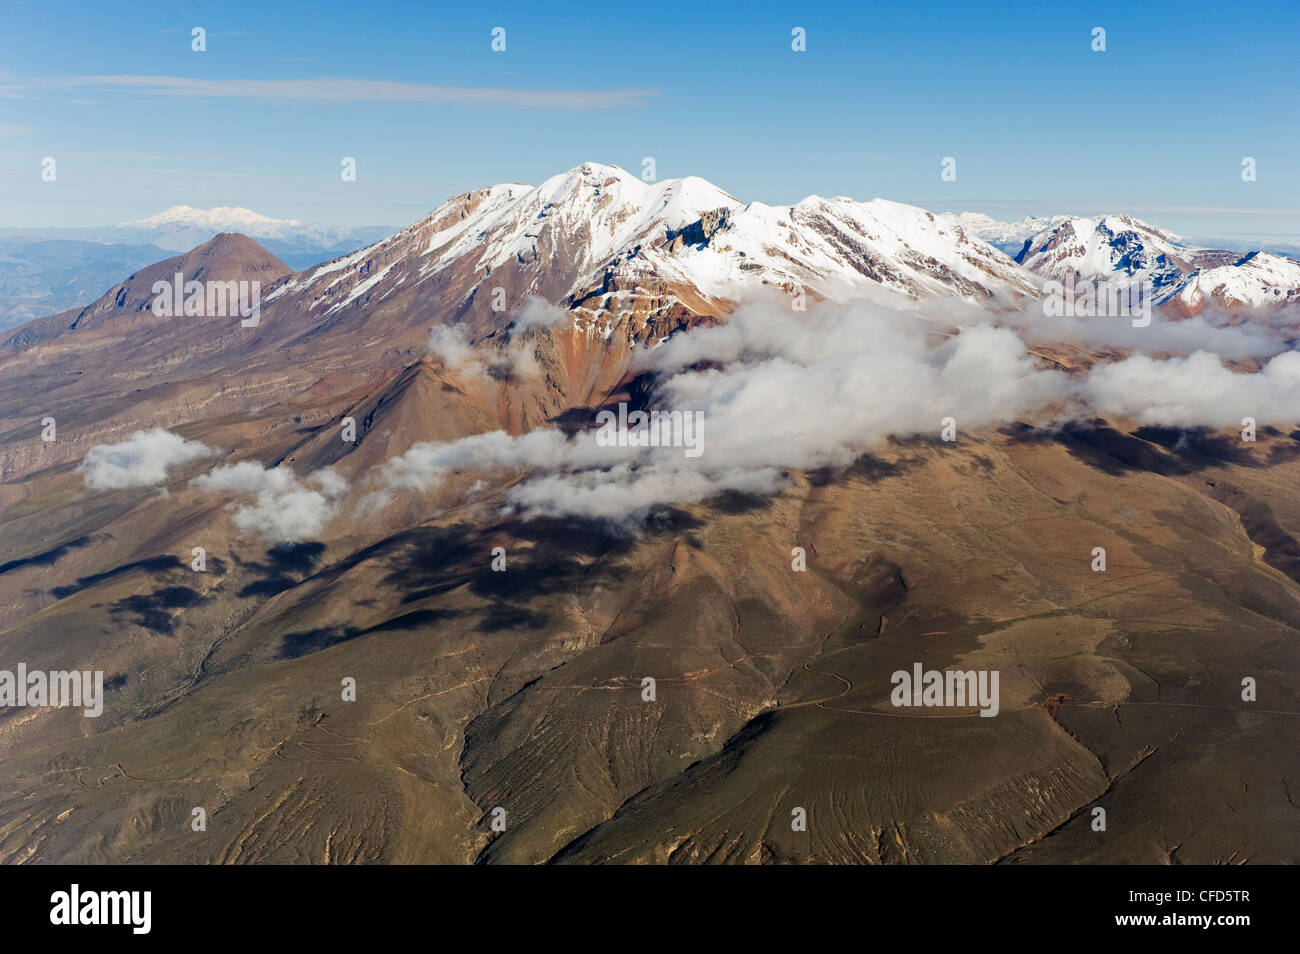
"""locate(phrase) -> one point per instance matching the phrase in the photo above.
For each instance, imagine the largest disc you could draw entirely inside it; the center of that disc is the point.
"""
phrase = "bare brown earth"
(522, 690)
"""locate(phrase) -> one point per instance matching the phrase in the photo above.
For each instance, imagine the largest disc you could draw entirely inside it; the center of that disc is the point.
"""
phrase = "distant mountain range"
(1186, 276)
(597, 232)
(46, 270)
(1009, 237)
(181, 227)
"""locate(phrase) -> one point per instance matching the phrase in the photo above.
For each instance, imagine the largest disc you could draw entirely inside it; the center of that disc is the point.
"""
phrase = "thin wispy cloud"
(341, 90)
(1213, 209)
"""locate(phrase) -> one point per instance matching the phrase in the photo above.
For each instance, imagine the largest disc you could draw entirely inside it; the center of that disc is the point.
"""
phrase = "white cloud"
(784, 392)
(142, 460)
(779, 392)
(450, 345)
(247, 477)
(286, 509)
(425, 465)
(1205, 331)
(1196, 391)
(351, 90)
(537, 312)
(509, 355)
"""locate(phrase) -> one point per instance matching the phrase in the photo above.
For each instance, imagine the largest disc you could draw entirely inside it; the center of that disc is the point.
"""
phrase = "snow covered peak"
(1037, 230)
(1127, 251)
(1010, 237)
(299, 244)
(219, 219)
(1255, 281)
(595, 237)
(574, 222)
(1092, 232)
(1116, 248)
(617, 252)
(597, 173)
(602, 186)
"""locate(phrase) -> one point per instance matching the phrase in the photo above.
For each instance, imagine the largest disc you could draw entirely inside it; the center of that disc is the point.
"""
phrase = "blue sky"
(1038, 123)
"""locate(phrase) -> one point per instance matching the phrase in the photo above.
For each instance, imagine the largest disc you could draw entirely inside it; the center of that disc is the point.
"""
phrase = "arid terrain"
(522, 689)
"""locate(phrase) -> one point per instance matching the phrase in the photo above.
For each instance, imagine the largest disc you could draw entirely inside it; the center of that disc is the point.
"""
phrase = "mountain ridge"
(687, 247)
(348, 470)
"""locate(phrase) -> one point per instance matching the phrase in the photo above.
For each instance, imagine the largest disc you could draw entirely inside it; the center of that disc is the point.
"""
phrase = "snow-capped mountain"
(1185, 277)
(1254, 281)
(606, 245)
(1010, 237)
(184, 220)
(615, 251)
(1117, 248)
(219, 219)
(182, 227)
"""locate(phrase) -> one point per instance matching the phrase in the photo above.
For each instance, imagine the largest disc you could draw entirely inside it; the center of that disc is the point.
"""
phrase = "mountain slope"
(522, 690)
(44, 270)
(1255, 280)
(1117, 248)
(1184, 278)
(1009, 237)
(227, 257)
(586, 237)
(44, 276)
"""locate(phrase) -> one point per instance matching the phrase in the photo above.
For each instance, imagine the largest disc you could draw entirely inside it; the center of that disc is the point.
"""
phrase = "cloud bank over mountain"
(781, 392)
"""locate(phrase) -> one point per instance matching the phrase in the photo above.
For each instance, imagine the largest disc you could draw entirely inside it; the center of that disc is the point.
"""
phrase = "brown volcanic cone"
(226, 257)
(113, 366)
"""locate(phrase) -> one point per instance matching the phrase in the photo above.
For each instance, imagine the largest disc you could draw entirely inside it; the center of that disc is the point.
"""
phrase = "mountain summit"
(227, 257)
(646, 256)
(221, 219)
